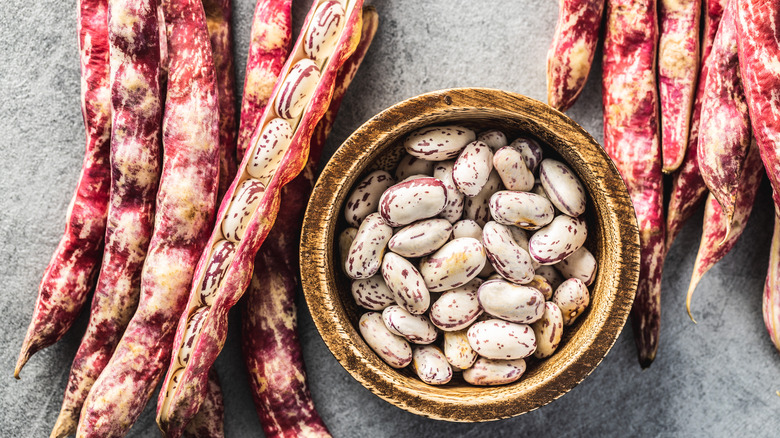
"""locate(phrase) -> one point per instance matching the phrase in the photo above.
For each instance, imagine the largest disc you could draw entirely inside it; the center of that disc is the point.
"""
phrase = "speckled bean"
(406, 283)
(221, 255)
(324, 30)
(548, 331)
(558, 240)
(551, 275)
(506, 256)
(455, 199)
(521, 209)
(410, 201)
(521, 238)
(430, 365)
(580, 264)
(457, 349)
(454, 264)
(345, 241)
(530, 150)
(438, 143)
(194, 326)
(511, 302)
(414, 328)
(456, 309)
(541, 284)
(393, 349)
(493, 138)
(478, 208)
(494, 372)
(297, 89)
(572, 297)
(364, 198)
(372, 293)
(411, 165)
(269, 149)
(466, 228)
(421, 238)
(511, 167)
(247, 197)
(366, 251)
(472, 168)
(562, 186)
(497, 339)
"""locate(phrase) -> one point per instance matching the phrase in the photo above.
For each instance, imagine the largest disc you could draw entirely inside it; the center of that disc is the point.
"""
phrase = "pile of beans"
(445, 250)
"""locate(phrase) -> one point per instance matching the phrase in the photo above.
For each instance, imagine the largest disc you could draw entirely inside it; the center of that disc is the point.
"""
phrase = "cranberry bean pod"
(457, 308)
(438, 143)
(406, 283)
(454, 264)
(556, 241)
(393, 349)
(563, 188)
(493, 138)
(455, 199)
(572, 49)
(210, 419)
(688, 188)
(521, 209)
(269, 44)
(548, 331)
(631, 140)
(580, 264)
(507, 257)
(771, 298)
(572, 297)
(430, 365)
(510, 165)
(364, 199)
(497, 339)
(412, 200)
(472, 168)
(414, 328)
(511, 302)
(717, 237)
(372, 293)
(494, 371)
(477, 208)
(182, 223)
(368, 248)
(73, 267)
(678, 68)
(724, 133)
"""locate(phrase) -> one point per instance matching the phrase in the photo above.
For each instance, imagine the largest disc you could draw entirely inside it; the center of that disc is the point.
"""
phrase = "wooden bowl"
(613, 239)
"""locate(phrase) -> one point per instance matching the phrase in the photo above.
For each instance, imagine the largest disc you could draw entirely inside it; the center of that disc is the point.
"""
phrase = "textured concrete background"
(717, 378)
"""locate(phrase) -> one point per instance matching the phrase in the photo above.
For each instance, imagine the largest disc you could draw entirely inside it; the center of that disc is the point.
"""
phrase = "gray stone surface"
(717, 378)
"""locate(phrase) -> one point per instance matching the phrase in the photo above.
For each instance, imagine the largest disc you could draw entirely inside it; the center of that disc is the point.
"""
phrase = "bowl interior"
(613, 239)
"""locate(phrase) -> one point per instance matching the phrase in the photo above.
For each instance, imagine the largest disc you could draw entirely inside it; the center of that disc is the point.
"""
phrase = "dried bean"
(506, 256)
(521, 209)
(454, 264)
(438, 143)
(297, 89)
(497, 339)
(345, 241)
(248, 196)
(364, 199)
(493, 138)
(368, 248)
(323, 32)
(457, 308)
(414, 328)
(511, 302)
(551, 275)
(457, 349)
(221, 255)
(455, 199)
(421, 238)
(430, 365)
(541, 284)
(372, 293)
(580, 264)
(269, 149)
(477, 208)
(510, 165)
(562, 187)
(494, 371)
(572, 298)
(393, 349)
(548, 331)
(410, 201)
(530, 150)
(472, 168)
(411, 165)
(406, 283)
(466, 228)
(558, 240)
(194, 326)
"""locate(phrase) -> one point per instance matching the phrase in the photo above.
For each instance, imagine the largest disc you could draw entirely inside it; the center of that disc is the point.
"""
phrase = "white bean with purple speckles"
(297, 89)
(511, 302)
(530, 150)
(548, 331)
(364, 199)
(494, 372)
(324, 31)
(393, 349)
(456, 309)
(247, 197)
(521, 238)
(558, 240)
(497, 339)
(269, 149)
(414, 328)
(438, 143)
(455, 199)
(366, 251)
(551, 275)
(221, 255)
(345, 241)
(521, 209)
(506, 256)
(562, 186)
(406, 283)
(580, 264)
(472, 168)
(511, 167)
(477, 208)
(421, 238)
(572, 297)
(457, 349)
(541, 284)
(430, 365)
(466, 228)
(372, 293)
(493, 138)
(410, 201)
(453, 265)
(411, 165)
(194, 326)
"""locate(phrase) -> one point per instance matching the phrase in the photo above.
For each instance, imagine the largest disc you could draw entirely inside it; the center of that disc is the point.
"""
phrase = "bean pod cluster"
(470, 257)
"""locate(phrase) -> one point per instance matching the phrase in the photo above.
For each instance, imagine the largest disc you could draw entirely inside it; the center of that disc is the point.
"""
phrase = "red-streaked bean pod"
(372, 293)
(430, 365)
(521, 209)
(393, 349)
(297, 89)
(420, 238)
(510, 165)
(572, 297)
(530, 150)
(454, 264)
(511, 302)
(438, 143)
(551, 275)
(771, 298)
(411, 165)
(548, 331)
(562, 187)
(364, 198)
(493, 138)
(269, 149)
(183, 220)
(580, 264)
(486, 372)
(414, 328)
(572, 50)
(210, 419)
(472, 168)
(368, 248)
(543, 285)
(457, 349)
(406, 283)
(194, 326)
(345, 241)
(466, 228)
(497, 339)
(221, 255)
(477, 208)
(269, 44)
(558, 240)
(507, 257)
(455, 199)
(248, 196)
(457, 308)
(323, 31)
(413, 200)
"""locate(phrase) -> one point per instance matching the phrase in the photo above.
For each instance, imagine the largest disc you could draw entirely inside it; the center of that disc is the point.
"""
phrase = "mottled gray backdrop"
(717, 378)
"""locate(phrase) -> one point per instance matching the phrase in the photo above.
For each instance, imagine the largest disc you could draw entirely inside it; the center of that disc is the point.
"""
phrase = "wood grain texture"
(614, 241)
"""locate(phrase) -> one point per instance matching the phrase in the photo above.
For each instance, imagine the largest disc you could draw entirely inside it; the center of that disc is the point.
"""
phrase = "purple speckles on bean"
(366, 251)
(438, 143)
(556, 241)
